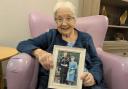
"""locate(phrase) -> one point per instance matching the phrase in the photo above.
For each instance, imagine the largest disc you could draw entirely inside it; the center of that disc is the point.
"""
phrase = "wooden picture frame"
(68, 66)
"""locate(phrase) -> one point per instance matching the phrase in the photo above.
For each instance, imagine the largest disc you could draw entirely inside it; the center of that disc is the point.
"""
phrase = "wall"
(14, 18)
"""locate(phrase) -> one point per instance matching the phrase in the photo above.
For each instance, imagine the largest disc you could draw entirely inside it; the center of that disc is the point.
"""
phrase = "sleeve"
(29, 45)
(96, 67)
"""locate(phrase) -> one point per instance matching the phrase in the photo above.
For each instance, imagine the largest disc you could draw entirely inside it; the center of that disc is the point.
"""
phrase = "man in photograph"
(64, 64)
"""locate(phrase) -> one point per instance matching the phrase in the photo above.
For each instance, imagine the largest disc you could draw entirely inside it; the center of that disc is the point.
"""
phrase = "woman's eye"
(59, 19)
(68, 18)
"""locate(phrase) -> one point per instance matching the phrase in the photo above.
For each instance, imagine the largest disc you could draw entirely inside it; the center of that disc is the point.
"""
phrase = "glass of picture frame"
(68, 66)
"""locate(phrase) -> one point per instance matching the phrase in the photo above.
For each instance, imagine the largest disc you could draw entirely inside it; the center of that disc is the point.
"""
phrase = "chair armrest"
(21, 72)
(115, 70)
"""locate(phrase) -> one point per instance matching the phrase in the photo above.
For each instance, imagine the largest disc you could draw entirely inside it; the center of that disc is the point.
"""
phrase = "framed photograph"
(68, 66)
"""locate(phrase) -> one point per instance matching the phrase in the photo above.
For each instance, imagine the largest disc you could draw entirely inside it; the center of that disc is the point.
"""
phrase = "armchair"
(22, 69)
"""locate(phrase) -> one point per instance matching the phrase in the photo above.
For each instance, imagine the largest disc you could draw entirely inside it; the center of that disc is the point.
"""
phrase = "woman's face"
(72, 58)
(65, 21)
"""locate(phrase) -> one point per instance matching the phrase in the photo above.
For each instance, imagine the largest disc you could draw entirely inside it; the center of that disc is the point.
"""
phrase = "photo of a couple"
(66, 71)
(69, 64)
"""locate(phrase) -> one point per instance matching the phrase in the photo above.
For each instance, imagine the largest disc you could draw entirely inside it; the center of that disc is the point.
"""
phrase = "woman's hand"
(45, 58)
(88, 79)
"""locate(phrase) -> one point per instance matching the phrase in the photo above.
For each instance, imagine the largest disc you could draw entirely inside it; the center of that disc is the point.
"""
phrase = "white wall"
(14, 18)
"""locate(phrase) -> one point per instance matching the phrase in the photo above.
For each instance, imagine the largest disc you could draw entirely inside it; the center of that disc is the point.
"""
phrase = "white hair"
(64, 4)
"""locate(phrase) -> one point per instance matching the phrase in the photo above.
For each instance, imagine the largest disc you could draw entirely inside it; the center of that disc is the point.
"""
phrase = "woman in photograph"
(72, 71)
(65, 34)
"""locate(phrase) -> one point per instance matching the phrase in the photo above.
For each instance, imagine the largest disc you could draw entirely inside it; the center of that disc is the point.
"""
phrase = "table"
(5, 53)
(116, 47)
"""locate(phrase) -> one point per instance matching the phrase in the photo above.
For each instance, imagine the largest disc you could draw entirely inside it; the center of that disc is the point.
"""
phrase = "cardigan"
(47, 40)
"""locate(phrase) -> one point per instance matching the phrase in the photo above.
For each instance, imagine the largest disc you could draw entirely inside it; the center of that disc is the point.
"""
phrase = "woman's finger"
(83, 75)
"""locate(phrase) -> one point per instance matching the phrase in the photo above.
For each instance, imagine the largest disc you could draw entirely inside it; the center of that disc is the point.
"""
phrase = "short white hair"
(65, 4)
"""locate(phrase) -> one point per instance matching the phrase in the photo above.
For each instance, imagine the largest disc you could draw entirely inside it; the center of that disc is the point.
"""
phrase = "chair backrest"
(96, 26)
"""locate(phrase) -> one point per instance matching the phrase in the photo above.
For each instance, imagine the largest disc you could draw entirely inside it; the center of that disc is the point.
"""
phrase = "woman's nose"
(64, 22)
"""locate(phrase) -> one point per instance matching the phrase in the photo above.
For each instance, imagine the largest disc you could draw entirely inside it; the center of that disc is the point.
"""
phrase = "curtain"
(89, 7)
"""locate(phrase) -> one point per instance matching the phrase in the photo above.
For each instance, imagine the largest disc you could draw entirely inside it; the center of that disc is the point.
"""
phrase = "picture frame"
(68, 67)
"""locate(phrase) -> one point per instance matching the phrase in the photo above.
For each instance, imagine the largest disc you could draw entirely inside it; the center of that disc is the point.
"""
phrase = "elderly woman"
(66, 34)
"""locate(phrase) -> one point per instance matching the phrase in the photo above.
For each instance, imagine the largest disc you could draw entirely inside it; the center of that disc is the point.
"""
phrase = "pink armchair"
(22, 69)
